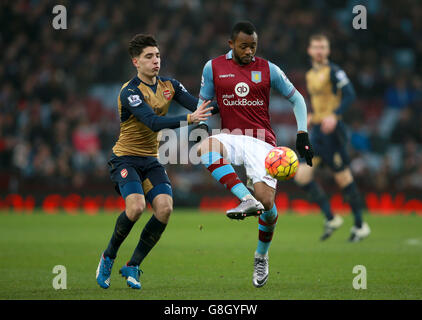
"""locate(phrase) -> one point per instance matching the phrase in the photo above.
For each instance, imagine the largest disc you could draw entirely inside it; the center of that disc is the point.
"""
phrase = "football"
(281, 163)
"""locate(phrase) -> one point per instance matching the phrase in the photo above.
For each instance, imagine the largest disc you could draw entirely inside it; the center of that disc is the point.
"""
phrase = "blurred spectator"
(397, 97)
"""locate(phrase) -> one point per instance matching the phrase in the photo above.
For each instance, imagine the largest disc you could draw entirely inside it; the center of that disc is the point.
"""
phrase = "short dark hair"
(242, 26)
(139, 42)
(318, 37)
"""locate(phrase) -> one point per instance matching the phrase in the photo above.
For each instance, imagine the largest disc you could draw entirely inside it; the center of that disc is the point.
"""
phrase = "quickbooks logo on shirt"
(243, 102)
(242, 90)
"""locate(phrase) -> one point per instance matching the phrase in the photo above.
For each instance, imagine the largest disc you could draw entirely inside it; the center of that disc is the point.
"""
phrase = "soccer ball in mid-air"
(281, 163)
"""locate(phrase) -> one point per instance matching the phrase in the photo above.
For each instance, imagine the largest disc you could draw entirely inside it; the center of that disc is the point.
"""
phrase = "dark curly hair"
(139, 42)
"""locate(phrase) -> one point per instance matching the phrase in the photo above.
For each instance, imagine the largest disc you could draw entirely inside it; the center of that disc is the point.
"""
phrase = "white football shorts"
(249, 152)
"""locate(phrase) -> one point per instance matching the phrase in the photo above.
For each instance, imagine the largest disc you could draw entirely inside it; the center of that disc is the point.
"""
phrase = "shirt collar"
(229, 55)
(139, 81)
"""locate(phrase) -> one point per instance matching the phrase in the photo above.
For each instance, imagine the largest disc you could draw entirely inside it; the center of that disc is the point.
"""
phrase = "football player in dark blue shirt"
(143, 103)
(331, 94)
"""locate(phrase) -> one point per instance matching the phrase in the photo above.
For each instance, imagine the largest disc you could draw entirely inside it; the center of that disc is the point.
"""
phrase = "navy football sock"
(121, 230)
(149, 238)
(317, 195)
(352, 196)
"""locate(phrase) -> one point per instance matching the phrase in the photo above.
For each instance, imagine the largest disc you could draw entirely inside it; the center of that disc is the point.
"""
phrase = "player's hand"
(201, 127)
(328, 124)
(304, 147)
(202, 113)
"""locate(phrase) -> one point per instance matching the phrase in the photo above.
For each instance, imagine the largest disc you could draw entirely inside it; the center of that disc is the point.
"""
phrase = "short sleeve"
(207, 83)
(339, 77)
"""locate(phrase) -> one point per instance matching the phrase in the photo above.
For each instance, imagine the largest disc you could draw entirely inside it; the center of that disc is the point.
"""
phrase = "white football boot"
(330, 226)
(246, 208)
(358, 234)
(261, 270)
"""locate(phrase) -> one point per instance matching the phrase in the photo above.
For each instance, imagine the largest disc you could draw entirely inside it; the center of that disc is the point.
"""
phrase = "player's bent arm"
(300, 111)
(207, 84)
(147, 116)
(183, 96)
(282, 84)
(187, 100)
(342, 82)
(207, 89)
(348, 95)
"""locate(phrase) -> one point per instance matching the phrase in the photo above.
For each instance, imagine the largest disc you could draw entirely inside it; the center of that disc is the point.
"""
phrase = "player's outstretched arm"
(348, 95)
(206, 93)
(202, 113)
(303, 145)
(342, 82)
(282, 84)
(187, 100)
(145, 114)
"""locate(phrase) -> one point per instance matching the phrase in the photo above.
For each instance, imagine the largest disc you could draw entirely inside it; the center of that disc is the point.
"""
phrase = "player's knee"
(208, 145)
(211, 145)
(203, 147)
(163, 213)
(166, 210)
(134, 209)
(343, 178)
(267, 202)
(303, 176)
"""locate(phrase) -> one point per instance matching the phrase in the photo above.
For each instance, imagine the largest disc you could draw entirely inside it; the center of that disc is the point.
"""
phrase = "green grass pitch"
(207, 256)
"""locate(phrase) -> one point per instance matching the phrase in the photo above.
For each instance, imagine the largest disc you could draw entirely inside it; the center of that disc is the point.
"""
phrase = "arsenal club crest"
(123, 173)
(167, 94)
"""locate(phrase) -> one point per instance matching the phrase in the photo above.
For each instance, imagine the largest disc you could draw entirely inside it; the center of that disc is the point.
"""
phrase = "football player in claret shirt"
(331, 94)
(143, 103)
(241, 84)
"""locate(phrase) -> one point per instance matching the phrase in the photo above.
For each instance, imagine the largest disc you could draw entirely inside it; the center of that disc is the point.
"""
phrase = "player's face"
(244, 47)
(319, 50)
(148, 62)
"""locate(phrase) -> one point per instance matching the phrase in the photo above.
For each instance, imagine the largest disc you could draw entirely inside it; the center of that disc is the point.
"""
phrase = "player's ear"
(231, 43)
(135, 62)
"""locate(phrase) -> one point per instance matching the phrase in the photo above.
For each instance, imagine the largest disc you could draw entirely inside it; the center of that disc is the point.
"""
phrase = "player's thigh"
(344, 177)
(128, 184)
(162, 204)
(155, 180)
(265, 194)
(333, 150)
(212, 145)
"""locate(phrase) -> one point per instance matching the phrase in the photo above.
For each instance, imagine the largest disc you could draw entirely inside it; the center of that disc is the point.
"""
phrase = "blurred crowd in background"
(58, 88)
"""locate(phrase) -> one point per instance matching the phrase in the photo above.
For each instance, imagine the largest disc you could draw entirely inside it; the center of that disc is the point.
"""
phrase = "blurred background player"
(241, 83)
(331, 94)
(134, 168)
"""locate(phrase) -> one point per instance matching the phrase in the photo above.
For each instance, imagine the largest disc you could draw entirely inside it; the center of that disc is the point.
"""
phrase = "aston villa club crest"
(167, 94)
(256, 76)
(123, 173)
